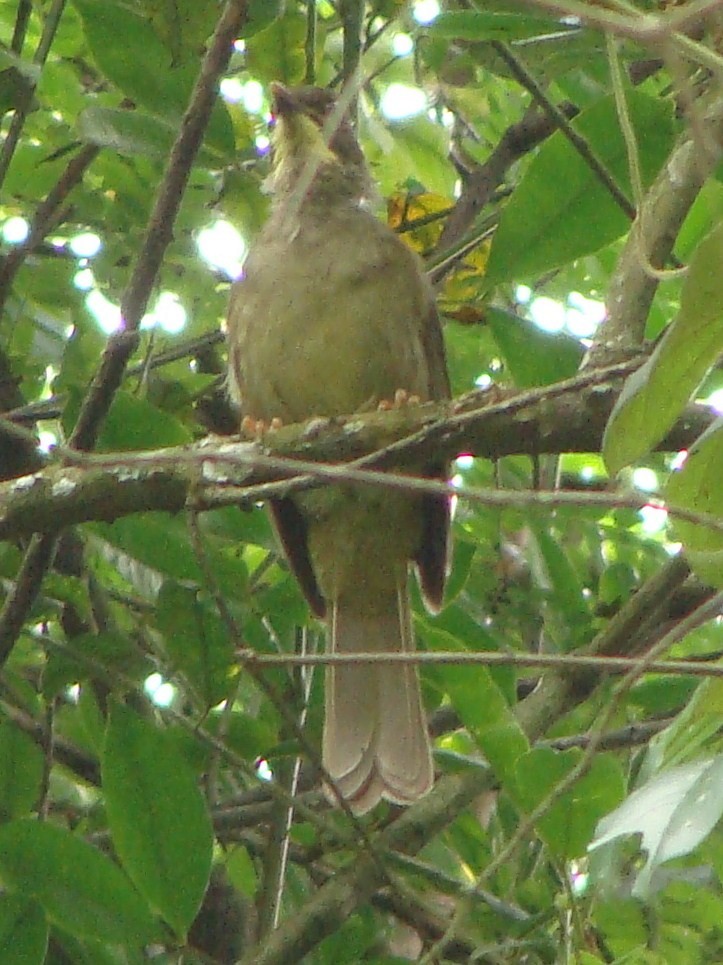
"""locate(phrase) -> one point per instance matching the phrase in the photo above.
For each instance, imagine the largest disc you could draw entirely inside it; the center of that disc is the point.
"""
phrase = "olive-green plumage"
(334, 315)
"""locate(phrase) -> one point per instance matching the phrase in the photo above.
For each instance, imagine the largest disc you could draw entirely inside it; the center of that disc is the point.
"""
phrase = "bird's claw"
(256, 429)
(401, 400)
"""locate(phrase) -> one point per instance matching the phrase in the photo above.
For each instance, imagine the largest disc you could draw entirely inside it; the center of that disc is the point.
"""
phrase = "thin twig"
(160, 227)
(632, 288)
(48, 215)
(22, 19)
(579, 143)
(571, 663)
(310, 43)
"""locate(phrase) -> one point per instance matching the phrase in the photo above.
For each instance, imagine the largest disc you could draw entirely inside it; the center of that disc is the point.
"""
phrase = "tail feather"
(375, 735)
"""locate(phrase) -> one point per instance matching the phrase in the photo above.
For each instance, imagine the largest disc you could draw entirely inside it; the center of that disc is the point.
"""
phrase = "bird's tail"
(375, 741)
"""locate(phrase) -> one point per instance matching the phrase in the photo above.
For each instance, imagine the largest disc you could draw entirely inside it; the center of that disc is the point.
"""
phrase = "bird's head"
(315, 151)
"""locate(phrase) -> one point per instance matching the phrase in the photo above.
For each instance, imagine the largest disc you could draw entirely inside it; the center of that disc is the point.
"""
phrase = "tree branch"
(121, 346)
(567, 417)
(480, 186)
(652, 238)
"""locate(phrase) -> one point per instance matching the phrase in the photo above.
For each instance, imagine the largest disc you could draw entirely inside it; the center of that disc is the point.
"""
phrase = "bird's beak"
(283, 102)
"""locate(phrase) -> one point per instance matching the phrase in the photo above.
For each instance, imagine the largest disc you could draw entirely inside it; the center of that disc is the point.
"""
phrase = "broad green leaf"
(417, 150)
(261, 14)
(196, 640)
(456, 629)
(672, 813)
(183, 25)
(133, 423)
(95, 656)
(567, 594)
(494, 25)
(352, 942)
(23, 931)
(661, 696)
(241, 871)
(21, 771)
(89, 952)
(127, 132)
(655, 395)
(142, 66)
(161, 542)
(560, 211)
(698, 486)
(568, 825)
(534, 357)
(78, 886)
(248, 736)
(689, 734)
(135, 132)
(277, 52)
(625, 925)
(154, 539)
(705, 213)
(157, 816)
(483, 708)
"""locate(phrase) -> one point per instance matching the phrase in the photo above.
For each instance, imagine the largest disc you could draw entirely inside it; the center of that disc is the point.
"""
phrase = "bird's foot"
(401, 400)
(256, 429)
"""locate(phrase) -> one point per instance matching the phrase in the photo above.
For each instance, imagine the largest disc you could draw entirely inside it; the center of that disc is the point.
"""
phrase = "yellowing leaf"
(419, 218)
(464, 284)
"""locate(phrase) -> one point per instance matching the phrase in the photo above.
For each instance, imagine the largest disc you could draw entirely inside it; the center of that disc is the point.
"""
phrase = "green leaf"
(568, 825)
(182, 25)
(534, 357)
(157, 816)
(98, 657)
(142, 65)
(154, 539)
(161, 542)
(417, 150)
(133, 132)
(79, 888)
(690, 733)
(260, 14)
(697, 486)
(560, 211)
(277, 52)
(23, 931)
(672, 813)
(480, 703)
(567, 593)
(241, 871)
(21, 772)
(196, 640)
(494, 25)
(133, 423)
(89, 952)
(127, 132)
(655, 395)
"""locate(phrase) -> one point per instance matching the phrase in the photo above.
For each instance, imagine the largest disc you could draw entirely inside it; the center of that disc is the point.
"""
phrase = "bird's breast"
(327, 322)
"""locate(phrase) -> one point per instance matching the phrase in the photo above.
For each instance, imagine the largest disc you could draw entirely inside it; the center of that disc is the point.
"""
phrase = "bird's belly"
(340, 343)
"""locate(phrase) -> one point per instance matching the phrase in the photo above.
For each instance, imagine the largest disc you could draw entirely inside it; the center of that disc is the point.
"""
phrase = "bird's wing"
(291, 527)
(433, 557)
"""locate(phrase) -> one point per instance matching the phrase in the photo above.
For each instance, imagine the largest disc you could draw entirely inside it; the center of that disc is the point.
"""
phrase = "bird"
(333, 315)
